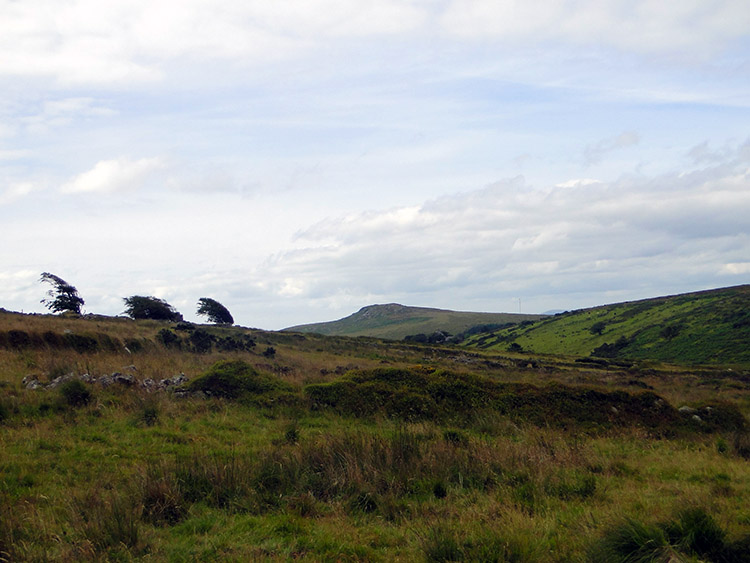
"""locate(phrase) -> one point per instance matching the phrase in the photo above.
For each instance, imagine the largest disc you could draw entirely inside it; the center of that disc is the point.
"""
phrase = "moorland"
(152, 440)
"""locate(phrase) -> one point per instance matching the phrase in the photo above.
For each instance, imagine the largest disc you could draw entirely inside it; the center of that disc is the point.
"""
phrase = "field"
(708, 327)
(287, 446)
(395, 322)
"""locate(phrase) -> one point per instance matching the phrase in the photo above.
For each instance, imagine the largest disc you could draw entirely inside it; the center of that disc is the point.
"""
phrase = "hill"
(148, 440)
(394, 322)
(706, 327)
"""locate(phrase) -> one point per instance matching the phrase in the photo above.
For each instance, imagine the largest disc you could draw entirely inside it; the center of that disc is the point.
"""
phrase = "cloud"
(113, 175)
(123, 43)
(639, 26)
(640, 234)
(15, 191)
(593, 154)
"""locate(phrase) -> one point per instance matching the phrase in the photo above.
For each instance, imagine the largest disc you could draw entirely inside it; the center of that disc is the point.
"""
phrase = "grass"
(710, 327)
(326, 452)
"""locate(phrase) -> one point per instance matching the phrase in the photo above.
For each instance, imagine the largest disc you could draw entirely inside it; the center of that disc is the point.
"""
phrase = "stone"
(60, 380)
(31, 382)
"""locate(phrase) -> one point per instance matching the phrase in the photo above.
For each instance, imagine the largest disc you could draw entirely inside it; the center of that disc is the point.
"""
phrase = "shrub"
(81, 343)
(269, 352)
(75, 393)
(201, 341)
(233, 379)
(168, 338)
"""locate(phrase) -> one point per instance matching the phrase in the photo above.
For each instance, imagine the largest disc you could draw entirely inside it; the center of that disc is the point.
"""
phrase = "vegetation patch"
(692, 534)
(424, 394)
(236, 379)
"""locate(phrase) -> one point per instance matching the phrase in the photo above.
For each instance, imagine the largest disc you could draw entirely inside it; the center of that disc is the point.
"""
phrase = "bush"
(75, 393)
(233, 379)
(168, 338)
(201, 341)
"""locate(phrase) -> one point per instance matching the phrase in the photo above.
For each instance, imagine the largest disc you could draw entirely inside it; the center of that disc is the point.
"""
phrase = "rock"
(131, 367)
(106, 380)
(60, 380)
(149, 384)
(31, 382)
(686, 409)
(173, 381)
(614, 410)
(696, 418)
(124, 379)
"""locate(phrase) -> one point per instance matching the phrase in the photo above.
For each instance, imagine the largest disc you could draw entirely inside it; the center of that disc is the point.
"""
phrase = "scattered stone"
(31, 382)
(149, 384)
(124, 379)
(696, 418)
(614, 410)
(173, 381)
(686, 409)
(60, 380)
(131, 368)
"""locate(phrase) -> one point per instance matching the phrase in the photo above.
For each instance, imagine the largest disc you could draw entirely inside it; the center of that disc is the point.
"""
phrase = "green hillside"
(707, 327)
(395, 321)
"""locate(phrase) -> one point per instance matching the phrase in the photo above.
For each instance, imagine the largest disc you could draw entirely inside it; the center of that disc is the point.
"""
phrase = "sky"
(299, 160)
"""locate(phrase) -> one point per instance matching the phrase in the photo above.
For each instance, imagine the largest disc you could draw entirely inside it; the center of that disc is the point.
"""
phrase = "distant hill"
(705, 327)
(394, 321)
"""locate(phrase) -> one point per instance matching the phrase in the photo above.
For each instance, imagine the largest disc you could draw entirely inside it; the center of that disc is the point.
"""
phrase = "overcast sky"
(298, 160)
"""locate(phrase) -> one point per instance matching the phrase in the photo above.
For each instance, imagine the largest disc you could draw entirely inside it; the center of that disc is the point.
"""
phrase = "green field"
(299, 446)
(394, 322)
(711, 327)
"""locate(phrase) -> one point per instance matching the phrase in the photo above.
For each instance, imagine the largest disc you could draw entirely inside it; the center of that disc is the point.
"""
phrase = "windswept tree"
(214, 311)
(63, 297)
(140, 307)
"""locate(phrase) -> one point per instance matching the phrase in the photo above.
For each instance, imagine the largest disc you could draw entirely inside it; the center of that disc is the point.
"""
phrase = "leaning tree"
(63, 297)
(214, 311)
(140, 307)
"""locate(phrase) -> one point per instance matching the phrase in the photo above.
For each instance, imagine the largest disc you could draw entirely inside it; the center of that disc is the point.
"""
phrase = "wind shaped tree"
(63, 297)
(140, 307)
(214, 311)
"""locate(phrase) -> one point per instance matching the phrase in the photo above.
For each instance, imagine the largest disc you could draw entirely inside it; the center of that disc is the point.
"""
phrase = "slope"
(706, 327)
(394, 321)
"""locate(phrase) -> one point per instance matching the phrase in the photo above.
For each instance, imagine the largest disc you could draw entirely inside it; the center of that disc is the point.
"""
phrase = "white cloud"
(635, 235)
(640, 26)
(15, 191)
(593, 154)
(736, 268)
(118, 42)
(113, 175)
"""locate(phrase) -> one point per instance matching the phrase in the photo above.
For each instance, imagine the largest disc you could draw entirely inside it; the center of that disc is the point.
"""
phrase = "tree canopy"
(63, 297)
(214, 311)
(140, 307)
